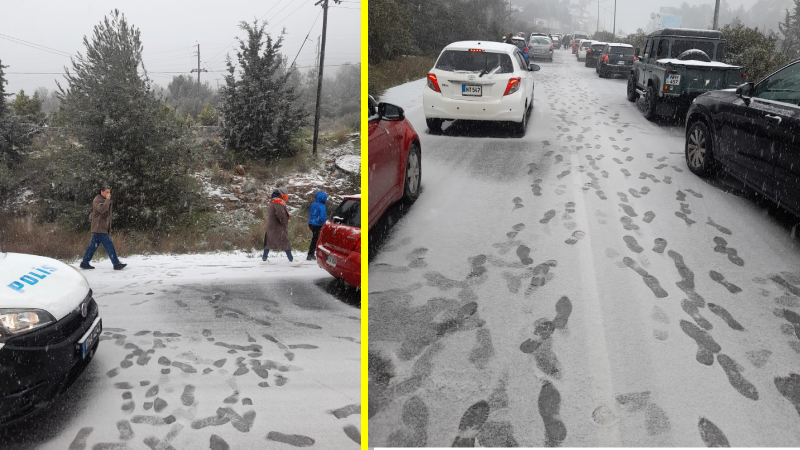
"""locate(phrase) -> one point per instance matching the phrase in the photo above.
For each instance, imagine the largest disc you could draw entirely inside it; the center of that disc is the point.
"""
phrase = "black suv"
(754, 132)
(615, 59)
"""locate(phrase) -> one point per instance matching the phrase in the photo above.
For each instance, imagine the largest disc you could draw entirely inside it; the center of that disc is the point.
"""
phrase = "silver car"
(540, 47)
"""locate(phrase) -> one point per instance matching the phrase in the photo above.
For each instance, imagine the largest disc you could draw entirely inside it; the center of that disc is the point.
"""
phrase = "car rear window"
(348, 213)
(680, 46)
(540, 41)
(462, 60)
(585, 44)
(598, 47)
(519, 43)
(625, 51)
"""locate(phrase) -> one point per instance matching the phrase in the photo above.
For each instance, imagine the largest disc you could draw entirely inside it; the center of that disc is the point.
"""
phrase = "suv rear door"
(618, 55)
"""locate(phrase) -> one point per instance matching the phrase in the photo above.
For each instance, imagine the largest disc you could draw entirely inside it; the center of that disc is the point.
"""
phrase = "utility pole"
(316, 60)
(321, 67)
(716, 16)
(198, 70)
(615, 19)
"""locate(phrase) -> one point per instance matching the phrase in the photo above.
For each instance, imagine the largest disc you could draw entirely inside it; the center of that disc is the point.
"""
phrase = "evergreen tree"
(3, 94)
(126, 138)
(207, 117)
(790, 28)
(259, 106)
(28, 108)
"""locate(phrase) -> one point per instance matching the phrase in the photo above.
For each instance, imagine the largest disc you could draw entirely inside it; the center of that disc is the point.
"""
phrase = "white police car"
(49, 331)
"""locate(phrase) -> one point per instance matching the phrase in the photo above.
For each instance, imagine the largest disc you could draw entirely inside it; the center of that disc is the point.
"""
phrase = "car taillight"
(524, 50)
(588, 50)
(513, 86)
(551, 49)
(357, 247)
(605, 58)
(433, 83)
(635, 59)
(744, 75)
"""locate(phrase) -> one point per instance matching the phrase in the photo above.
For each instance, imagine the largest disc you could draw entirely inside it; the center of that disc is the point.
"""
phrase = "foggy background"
(51, 30)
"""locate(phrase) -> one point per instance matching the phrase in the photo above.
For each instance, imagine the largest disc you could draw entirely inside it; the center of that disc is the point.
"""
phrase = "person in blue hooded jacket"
(317, 216)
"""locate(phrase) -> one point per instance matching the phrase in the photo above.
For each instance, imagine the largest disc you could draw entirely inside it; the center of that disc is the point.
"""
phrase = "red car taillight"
(357, 248)
(635, 59)
(524, 50)
(588, 50)
(551, 49)
(513, 86)
(433, 83)
(605, 58)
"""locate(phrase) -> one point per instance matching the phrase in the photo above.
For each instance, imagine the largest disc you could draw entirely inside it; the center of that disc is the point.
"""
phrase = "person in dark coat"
(317, 216)
(101, 226)
(277, 234)
(509, 40)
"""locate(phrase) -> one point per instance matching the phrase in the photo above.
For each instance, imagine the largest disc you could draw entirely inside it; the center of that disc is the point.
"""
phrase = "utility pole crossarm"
(198, 70)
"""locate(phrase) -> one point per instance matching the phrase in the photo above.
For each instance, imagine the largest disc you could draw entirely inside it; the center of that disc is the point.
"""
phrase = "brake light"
(744, 75)
(513, 86)
(667, 70)
(357, 247)
(476, 50)
(605, 58)
(635, 59)
(433, 83)
(588, 50)
(524, 50)
(551, 49)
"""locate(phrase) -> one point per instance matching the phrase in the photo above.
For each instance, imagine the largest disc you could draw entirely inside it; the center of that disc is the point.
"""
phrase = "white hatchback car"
(49, 332)
(584, 45)
(479, 80)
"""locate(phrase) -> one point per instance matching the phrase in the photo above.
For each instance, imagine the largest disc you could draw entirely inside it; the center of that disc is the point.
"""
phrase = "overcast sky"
(169, 31)
(633, 14)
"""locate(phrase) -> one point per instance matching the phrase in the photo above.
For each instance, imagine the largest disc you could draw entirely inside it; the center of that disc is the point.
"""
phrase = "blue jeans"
(266, 254)
(97, 239)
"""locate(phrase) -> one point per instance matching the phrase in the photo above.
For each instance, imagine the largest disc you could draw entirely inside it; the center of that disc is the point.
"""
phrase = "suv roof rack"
(688, 32)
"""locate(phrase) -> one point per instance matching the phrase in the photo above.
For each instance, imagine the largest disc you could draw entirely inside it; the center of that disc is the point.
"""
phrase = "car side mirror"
(533, 67)
(636, 52)
(744, 90)
(388, 111)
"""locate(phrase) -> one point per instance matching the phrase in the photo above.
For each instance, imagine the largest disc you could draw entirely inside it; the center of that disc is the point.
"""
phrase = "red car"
(395, 159)
(339, 244)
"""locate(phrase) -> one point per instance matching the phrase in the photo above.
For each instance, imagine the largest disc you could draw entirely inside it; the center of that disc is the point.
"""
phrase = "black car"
(615, 59)
(593, 54)
(753, 132)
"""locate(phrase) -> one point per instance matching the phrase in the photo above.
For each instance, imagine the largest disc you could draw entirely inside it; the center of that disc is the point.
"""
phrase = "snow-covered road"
(212, 351)
(580, 287)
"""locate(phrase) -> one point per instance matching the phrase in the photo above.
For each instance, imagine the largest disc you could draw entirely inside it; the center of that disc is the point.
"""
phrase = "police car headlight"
(18, 321)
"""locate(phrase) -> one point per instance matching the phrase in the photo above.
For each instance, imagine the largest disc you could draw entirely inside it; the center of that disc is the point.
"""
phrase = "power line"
(35, 46)
(304, 40)
(290, 14)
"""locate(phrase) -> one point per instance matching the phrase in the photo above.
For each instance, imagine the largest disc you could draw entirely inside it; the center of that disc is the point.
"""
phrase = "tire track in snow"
(597, 357)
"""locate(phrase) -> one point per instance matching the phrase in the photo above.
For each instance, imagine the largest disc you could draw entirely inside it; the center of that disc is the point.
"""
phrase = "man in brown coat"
(277, 235)
(101, 226)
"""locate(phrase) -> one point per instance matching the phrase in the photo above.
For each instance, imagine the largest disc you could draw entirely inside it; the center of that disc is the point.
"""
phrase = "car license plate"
(537, 50)
(471, 90)
(331, 260)
(87, 341)
(620, 62)
(673, 79)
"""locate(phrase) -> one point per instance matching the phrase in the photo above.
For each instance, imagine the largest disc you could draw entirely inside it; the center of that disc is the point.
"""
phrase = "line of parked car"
(750, 131)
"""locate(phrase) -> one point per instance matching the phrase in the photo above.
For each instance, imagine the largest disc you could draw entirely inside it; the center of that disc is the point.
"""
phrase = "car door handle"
(774, 119)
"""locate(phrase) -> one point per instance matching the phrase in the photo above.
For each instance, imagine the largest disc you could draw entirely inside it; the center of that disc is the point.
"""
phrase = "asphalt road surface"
(580, 287)
(211, 351)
